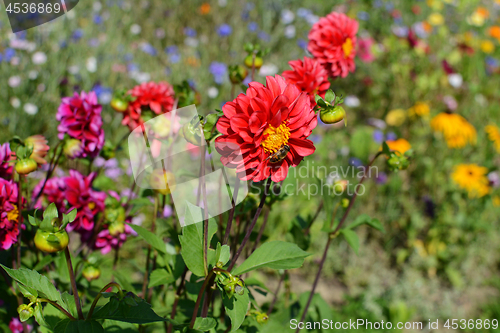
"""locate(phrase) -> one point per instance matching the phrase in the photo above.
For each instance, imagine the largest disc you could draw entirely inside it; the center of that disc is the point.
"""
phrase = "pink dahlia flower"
(157, 97)
(80, 117)
(309, 76)
(106, 241)
(259, 123)
(16, 326)
(9, 213)
(5, 158)
(332, 41)
(365, 49)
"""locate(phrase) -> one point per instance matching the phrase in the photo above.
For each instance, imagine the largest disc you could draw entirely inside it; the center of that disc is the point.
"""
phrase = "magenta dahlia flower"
(106, 241)
(53, 192)
(80, 117)
(332, 40)
(259, 123)
(5, 158)
(80, 195)
(9, 213)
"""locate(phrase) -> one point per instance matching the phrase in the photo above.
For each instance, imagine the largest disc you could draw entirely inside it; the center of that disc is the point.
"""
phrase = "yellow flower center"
(347, 47)
(91, 205)
(274, 138)
(13, 215)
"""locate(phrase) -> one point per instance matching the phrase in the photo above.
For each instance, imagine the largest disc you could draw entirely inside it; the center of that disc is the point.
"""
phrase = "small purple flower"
(381, 178)
(494, 179)
(378, 136)
(264, 36)
(98, 19)
(224, 30)
(77, 34)
(356, 162)
(252, 26)
(167, 211)
(9, 54)
(148, 49)
(219, 71)
(302, 43)
(391, 136)
(190, 32)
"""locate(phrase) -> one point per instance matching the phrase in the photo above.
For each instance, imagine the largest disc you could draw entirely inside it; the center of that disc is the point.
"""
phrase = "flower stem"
(73, 284)
(176, 301)
(252, 225)
(54, 304)
(231, 212)
(200, 295)
(52, 167)
(106, 287)
(331, 236)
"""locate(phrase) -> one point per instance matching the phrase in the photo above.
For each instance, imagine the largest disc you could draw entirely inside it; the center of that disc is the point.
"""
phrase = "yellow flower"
(472, 178)
(420, 109)
(487, 46)
(494, 135)
(162, 181)
(496, 201)
(400, 146)
(435, 19)
(456, 130)
(395, 117)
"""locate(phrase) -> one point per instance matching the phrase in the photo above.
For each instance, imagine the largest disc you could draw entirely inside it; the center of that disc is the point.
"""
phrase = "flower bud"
(91, 272)
(262, 318)
(332, 115)
(340, 186)
(25, 312)
(116, 228)
(51, 242)
(40, 148)
(237, 74)
(26, 166)
(250, 61)
(72, 148)
(119, 104)
(345, 203)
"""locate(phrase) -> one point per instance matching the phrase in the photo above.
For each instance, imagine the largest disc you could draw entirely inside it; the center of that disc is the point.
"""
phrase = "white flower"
(135, 29)
(190, 41)
(351, 101)
(33, 75)
(14, 81)
(287, 16)
(39, 58)
(223, 3)
(97, 6)
(212, 92)
(105, 98)
(92, 64)
(160, 33)
(140, 77)
(40, 87)
(30, 109)
(73, 69)
(289, 31)
(311, 19)
(455, 80)
(15, 102)
(267, 70)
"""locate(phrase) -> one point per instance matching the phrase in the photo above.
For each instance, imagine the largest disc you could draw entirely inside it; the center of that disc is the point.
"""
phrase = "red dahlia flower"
(309, 76)
(258, 124)
(332, 40)
(9, 213)
(80, 195)
(80, 118)
(157, 97)
(5, 158)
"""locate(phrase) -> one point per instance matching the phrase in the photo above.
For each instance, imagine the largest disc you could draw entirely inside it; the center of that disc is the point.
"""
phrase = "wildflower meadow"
(249, 166)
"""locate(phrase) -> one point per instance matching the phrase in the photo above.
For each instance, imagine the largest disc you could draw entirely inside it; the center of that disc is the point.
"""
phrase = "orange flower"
(484, 12)
(205, 8)
(494, 31)
(400, 146)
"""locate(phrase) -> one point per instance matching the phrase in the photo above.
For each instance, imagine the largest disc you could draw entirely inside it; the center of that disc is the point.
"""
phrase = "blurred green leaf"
(153, 240)
(352, 239)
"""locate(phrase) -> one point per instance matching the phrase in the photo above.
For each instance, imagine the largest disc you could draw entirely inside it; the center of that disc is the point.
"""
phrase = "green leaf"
(352, 239)
(130, 309)
(222, 254)
(44, 262)
(68, 218)
(28, 292)
(385, 149)
(40, 283)
(361, 219)
(236, 308)
(153, 240)
(160, 277)
(78, 326)
(317, 98)
(330, 96)
(275, 255)
(204, 324)
(192, 245)
(375, 223)
(38, 313)
(51, 212)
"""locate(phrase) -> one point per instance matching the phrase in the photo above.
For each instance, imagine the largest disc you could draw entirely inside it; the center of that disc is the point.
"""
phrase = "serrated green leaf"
(150, 238)
(40, 283)
(160, 277)
(352, 239)
(130, 309)
(192, 245)
(204, 324)
(275, 255)
(236, 308)
(78, 326)
(28, 292)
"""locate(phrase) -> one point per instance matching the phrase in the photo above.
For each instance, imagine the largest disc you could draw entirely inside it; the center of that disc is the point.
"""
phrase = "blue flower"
(190, 32)
(391, 136)
(224, 30)
(77, 34)
(264, 36)
(378, 136)
(128, 57)
(174, 58)
(132, 67)
(219, 71)
(9, 54)
(148, 49)
(172, 49)
(364, 16)
(303, 12)
(252, 26)
(356, 162)
(302, 43)
(98, 19)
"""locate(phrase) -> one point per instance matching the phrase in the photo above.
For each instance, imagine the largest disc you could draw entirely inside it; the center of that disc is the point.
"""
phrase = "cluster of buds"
(260, 317)
(51, 236)
(254, 59)
(229, 283)
(395, 160)
(25, 312)
(331, 111)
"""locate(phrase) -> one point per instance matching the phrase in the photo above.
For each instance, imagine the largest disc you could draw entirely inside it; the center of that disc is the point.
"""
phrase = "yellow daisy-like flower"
(472, 178)
(487, 46)
(456, 130)
(395, 117)
(420, 109)
(400, 146)
(494, 135)
(435, 19)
